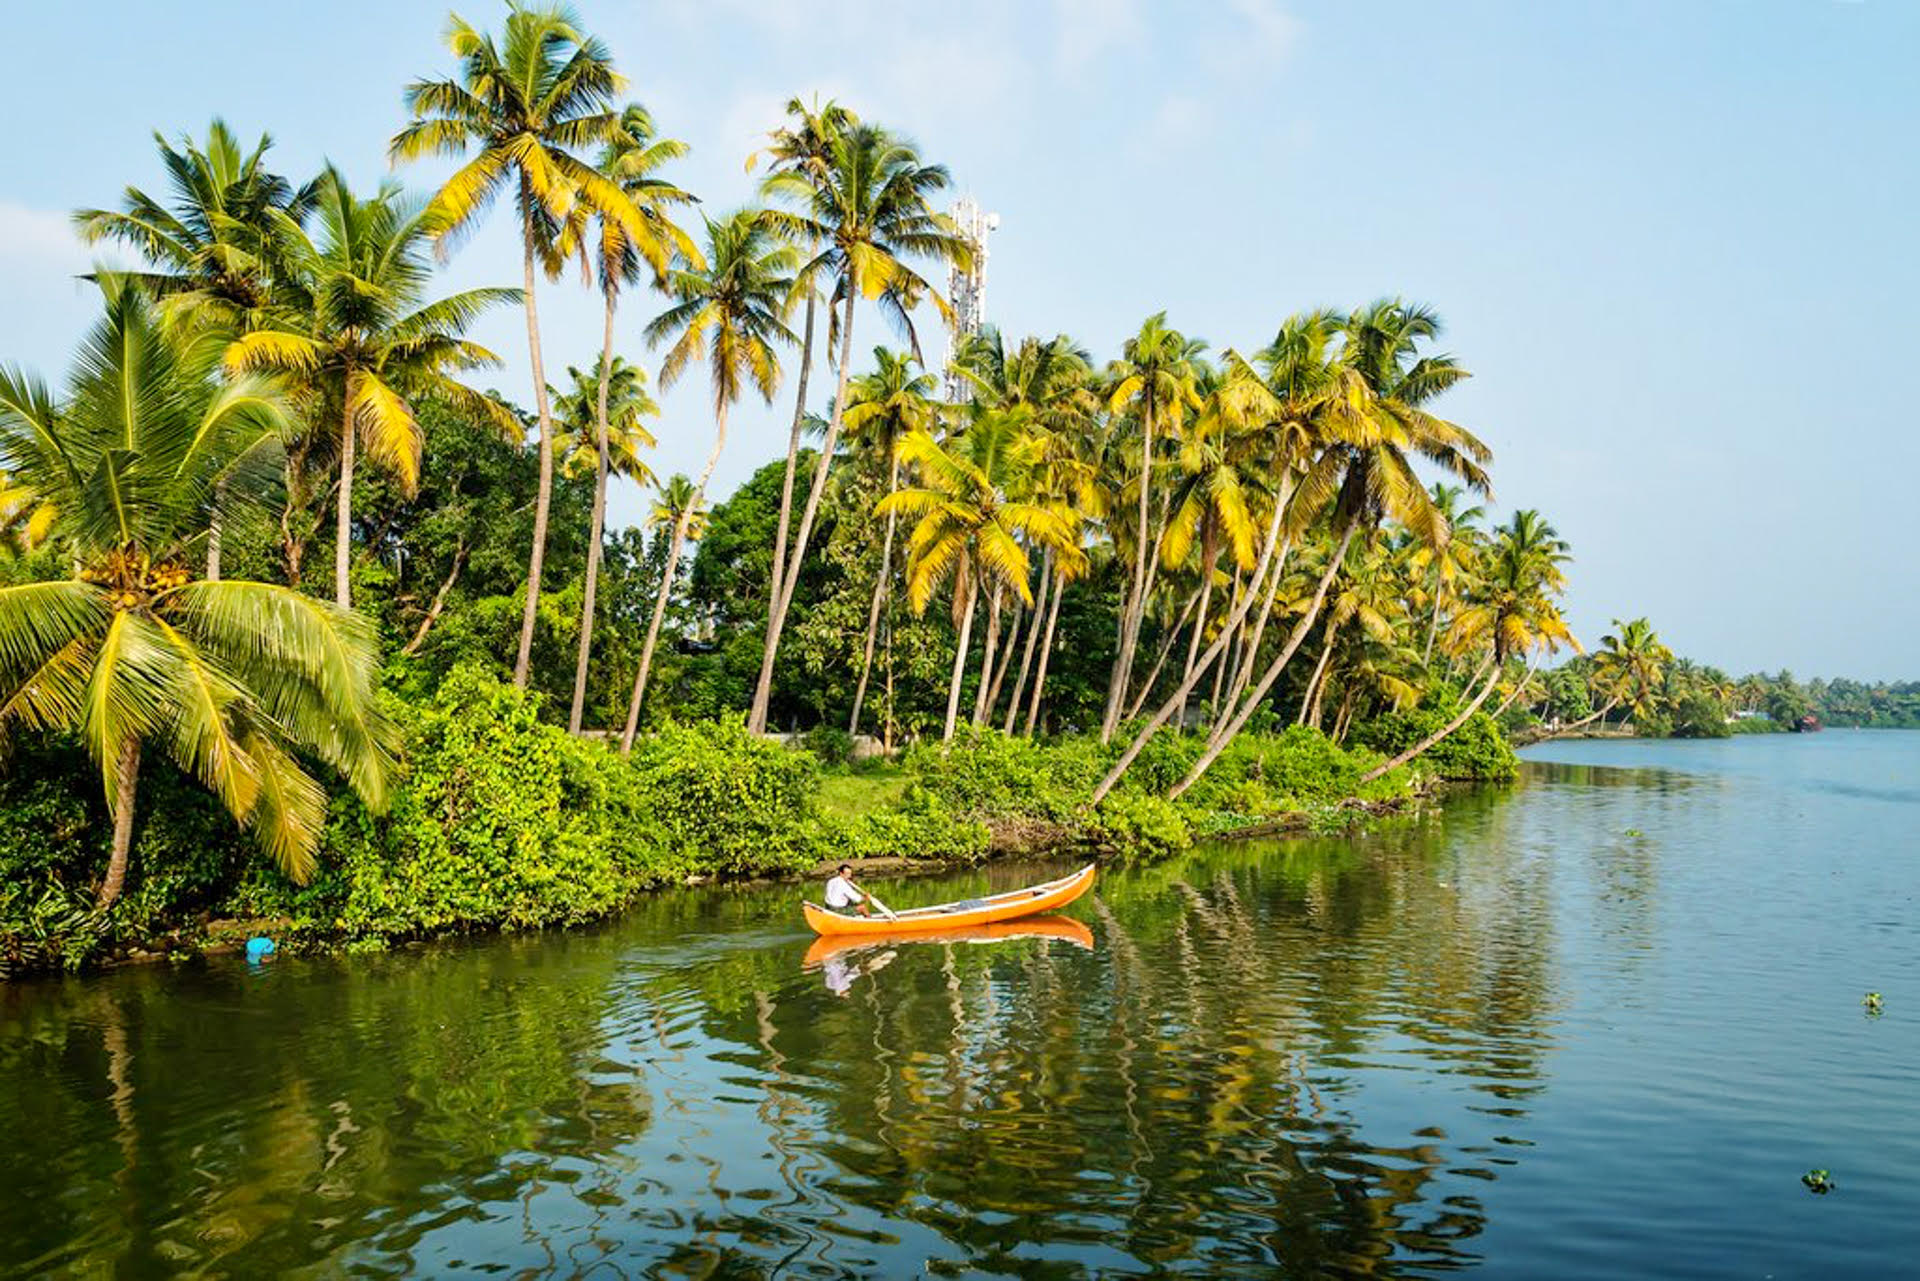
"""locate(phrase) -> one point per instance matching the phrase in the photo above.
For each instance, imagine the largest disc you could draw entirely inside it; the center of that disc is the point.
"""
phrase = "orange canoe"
(1063, 928)
(952, 916)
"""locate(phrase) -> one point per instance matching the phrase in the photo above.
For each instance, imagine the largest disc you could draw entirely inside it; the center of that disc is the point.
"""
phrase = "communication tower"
(967, 288)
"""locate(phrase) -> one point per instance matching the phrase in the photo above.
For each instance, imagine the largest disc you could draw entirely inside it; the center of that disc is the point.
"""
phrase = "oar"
(875, 900)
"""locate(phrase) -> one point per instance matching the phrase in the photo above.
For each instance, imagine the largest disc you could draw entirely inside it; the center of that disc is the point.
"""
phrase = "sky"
(1665, 237)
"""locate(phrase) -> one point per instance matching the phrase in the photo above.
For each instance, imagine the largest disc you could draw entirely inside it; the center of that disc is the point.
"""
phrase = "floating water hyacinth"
(1872, 1001)
(1819, 1182)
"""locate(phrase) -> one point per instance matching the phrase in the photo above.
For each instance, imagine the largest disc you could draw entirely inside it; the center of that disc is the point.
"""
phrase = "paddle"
(873, 899)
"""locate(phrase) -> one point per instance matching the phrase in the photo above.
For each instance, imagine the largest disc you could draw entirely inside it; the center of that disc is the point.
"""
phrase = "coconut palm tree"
(730, 311)
(232, 677)
(352, 327)
(866, 210)
(882, 408)
(607, 244)
(803, 148)
(526, 105)
(1629, 667)
(1444, 565)
(576, 432)
(1155, 382)
(969, 530)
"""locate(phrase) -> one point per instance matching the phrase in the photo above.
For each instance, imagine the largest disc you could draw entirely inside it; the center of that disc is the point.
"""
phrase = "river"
(1595, 1025)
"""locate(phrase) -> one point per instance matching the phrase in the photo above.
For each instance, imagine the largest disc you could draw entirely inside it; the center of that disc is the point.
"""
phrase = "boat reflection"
(844, 957)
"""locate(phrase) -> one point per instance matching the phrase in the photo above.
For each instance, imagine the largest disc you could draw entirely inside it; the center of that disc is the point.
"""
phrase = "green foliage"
(1699, 715)
(1139, 824)
(1477, 752)
(726, 800)
(830, 744)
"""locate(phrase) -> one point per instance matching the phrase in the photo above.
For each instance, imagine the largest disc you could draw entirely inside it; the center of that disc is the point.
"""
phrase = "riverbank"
(506, 823)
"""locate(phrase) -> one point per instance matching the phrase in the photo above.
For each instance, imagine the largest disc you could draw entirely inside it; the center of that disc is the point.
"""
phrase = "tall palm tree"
(352, 326)
(730, 311)
(802, 148)
(527, 105)
(630, 160)
(1629, 667)
(968, 530)
(866, 211)
(1154, 380)
(232, 677)
(882, 408)
(1445, 564)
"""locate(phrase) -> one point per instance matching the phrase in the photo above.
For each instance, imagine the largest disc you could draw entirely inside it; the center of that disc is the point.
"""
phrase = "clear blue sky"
(1673, 240)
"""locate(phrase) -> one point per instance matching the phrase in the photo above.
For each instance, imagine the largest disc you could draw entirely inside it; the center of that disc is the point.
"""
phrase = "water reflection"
(1302, 1060)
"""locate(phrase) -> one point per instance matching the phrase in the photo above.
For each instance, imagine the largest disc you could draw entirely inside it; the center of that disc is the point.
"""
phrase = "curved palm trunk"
(680, 528)
(1311, 698)
(343, 514)
(776, 579)
(1160, 659)
(600, 469)
(1007, 648)
(777, 620)
(1570, 726)
(1033, 639)
(983, 691)
(880, 586)
(1046, 653)
(1232, 659)
(1136, 597)
(1233, 727)
(959, 668)
(1452, 725)
(1199, 629)
(537, 559)
(1212, 654)
(1250, 644)
(125, 785)
(1433, 623)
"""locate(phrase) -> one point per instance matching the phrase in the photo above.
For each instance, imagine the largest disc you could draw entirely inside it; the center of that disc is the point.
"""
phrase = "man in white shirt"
(841, 892)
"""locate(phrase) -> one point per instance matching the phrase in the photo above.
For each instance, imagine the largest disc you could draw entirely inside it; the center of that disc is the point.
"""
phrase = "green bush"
(1141, 825)
(726, 800)
(1477, 752)
(831, 744)
(1700, 716)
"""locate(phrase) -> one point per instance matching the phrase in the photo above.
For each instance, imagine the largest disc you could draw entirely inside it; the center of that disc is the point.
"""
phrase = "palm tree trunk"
(1221, 669)
(1136, 598)
(1233, 727)
(959, 664)
(343, 511)
(598, 525)
(1033, 640)
(1433, 624)
(1207, 659)
(536, 560)
(777, 620)
(680, 528)
(880, 586)
(1344, 717)
(981, 692)
(1199, 629)
(777, 578)
(439, 602)
(1046, 652)
(1570, 726)
(1313, 682)
(1012, 643)
(1250, 648)
(1160, 659)
(1452, 725)
(126, 783)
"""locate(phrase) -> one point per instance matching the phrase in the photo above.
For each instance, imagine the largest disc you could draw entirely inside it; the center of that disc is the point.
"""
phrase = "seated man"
(842, 893)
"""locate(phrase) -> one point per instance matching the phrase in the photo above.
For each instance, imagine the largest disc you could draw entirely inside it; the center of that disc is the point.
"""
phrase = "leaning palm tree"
(1629, 667)
(882, 408)
(352, 327)
(528, 104)
(232, 677)
(729, 311)
(969, 529)
(867, 210)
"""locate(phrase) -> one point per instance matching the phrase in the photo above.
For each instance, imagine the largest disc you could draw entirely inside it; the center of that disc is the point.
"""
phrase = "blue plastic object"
(259, 949)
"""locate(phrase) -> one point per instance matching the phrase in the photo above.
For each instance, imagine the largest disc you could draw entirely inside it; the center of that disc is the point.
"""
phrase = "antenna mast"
(967, 289)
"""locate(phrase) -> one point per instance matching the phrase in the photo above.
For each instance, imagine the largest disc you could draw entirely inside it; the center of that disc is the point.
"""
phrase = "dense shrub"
(1476, 752)
(1700, 716)
(725, 800)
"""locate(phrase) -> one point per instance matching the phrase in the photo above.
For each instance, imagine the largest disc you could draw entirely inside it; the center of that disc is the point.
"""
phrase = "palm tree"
(969, 530)
(528, 104)
(213, 246)
(233, 677)
(576, 431)
(1365, 474)
(1155, 380)
(1630, 667)
(352, 327)
(866, 208)
(1446, 564)
(629, 160)
(882, 408)
(802, 148)
(730, 312)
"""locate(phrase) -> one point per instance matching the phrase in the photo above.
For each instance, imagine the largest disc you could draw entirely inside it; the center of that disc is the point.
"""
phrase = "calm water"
(1596, 1025)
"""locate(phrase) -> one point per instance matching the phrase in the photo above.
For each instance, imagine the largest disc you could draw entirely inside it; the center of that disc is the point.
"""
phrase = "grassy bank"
(505, 822)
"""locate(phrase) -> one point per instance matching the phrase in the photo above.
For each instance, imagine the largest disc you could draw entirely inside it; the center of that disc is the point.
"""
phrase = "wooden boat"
(1031, 901)
(1062, 928)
